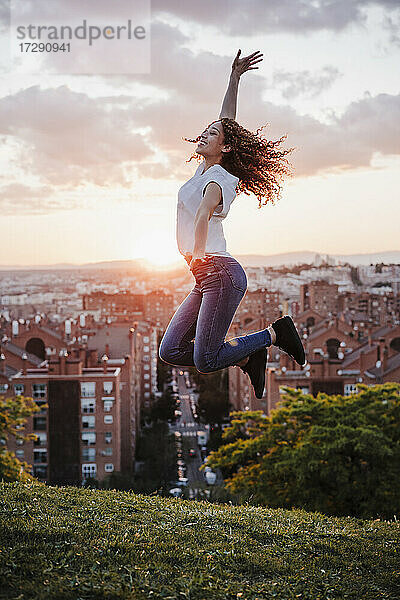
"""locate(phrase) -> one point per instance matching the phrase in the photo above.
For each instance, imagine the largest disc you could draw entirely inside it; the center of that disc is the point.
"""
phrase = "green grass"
(66, 542)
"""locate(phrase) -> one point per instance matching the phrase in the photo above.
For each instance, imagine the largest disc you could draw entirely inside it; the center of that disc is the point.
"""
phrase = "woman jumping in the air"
(235, 160)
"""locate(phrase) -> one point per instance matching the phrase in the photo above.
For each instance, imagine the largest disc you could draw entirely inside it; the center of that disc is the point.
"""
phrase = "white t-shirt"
(190, 196)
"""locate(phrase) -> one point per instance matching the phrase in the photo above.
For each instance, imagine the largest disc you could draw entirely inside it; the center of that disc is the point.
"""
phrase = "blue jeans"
(196, 333)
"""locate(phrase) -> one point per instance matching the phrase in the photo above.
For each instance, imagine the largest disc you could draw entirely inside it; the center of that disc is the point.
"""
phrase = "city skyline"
(92, 164)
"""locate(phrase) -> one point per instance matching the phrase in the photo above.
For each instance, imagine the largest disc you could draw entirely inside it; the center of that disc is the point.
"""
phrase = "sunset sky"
(91, 165)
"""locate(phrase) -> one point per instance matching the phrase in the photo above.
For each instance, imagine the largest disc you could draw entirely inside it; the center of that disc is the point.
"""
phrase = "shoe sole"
(258, 391)
(294, 331)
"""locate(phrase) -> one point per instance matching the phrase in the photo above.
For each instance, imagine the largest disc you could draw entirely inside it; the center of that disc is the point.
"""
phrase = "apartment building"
(131, 350)
(337, 358)
(78, 426)
(320, 296)
(261, 303)
(156, 306)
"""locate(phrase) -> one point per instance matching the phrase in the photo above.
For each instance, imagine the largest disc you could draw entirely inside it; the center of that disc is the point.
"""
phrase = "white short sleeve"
(226, 182)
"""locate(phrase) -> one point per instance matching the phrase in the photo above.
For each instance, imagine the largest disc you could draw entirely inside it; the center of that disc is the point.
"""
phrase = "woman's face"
(211, 143)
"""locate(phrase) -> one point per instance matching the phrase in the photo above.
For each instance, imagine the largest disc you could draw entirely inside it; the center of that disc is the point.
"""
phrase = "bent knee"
(202, 365)
(163, 353)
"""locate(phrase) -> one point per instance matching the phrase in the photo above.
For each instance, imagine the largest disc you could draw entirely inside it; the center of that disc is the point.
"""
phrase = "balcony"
(40, 442)
(39, 423)
(40, 456)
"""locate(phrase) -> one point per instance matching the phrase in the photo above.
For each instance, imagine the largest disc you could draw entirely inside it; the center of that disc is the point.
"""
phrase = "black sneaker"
(255, 368)
(288, 339)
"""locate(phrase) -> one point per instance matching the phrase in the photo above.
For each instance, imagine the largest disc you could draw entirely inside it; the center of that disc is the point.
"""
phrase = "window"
(146, 376)
(89, 439)
(39, 456)
(146, 348)
(88, 453)
(107, 452)
(89, 470)
(41, 404)
(304, 389)
(41, 439)
(39, 390)
(108, 437)
(19, 389)
(147, 394)
(350, 388)
(109, 467)
(88, 406)
(20, 453)
(3, 388)
(107, 387)
(108, 404)
(40, 471)
(146, 386)
(108, 419)
(39, 423)
(146, 367)
(88, 389)
(146, 339)
(88, 422)
(146, 357)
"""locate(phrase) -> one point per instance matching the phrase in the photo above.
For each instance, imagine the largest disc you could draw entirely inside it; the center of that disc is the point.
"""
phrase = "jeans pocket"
(236, 274)
(204, 271)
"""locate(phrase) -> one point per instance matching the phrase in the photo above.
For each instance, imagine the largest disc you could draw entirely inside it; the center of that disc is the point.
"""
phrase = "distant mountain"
(389, 256)
(139, 263)
(307, 257)
(247, 260)
(274, 260)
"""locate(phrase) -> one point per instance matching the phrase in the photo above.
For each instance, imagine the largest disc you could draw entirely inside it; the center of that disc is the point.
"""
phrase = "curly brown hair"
(258, 163)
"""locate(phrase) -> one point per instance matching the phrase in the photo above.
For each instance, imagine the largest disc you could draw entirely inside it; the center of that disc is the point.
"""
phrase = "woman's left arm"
(239, 66)
(211, 199)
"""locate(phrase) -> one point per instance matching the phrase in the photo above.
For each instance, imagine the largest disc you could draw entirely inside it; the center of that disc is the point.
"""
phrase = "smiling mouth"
(202, 144)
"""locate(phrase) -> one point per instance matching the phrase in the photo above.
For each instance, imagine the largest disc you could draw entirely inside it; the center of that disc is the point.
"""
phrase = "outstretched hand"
(241, 65)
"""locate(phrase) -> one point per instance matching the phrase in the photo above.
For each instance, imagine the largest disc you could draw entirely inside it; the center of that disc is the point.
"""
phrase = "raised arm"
(239, 66)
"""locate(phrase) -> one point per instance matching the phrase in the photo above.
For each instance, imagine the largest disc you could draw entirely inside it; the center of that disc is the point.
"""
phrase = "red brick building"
(337, 362)
(320, 296)
(132, 351)
(156, 306)
(79, 430)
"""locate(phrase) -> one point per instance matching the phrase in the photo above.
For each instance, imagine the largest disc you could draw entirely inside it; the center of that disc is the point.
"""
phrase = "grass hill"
(75, 543)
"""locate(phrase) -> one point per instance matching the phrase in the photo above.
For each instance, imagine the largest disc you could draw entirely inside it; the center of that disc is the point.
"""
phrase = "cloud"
(392, 25)
(17, 198)
(368, 126)
(234, 17)
(305, 83)
(68, 138)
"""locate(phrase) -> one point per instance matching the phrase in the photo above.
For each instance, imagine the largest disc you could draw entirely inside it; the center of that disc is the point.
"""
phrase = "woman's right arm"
(239, 66)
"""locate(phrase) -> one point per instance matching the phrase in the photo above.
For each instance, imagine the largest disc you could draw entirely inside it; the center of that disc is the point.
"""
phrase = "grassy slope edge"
(66, 542)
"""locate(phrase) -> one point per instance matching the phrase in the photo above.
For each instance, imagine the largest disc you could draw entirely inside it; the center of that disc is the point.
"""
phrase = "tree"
(163, 408)
(163, 369)
(13, 414)
(338, 455)
(213, 403)
(156, 451)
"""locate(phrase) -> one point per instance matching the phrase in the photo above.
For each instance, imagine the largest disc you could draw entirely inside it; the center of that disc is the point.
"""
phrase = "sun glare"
(158, 249)
(162, 262)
